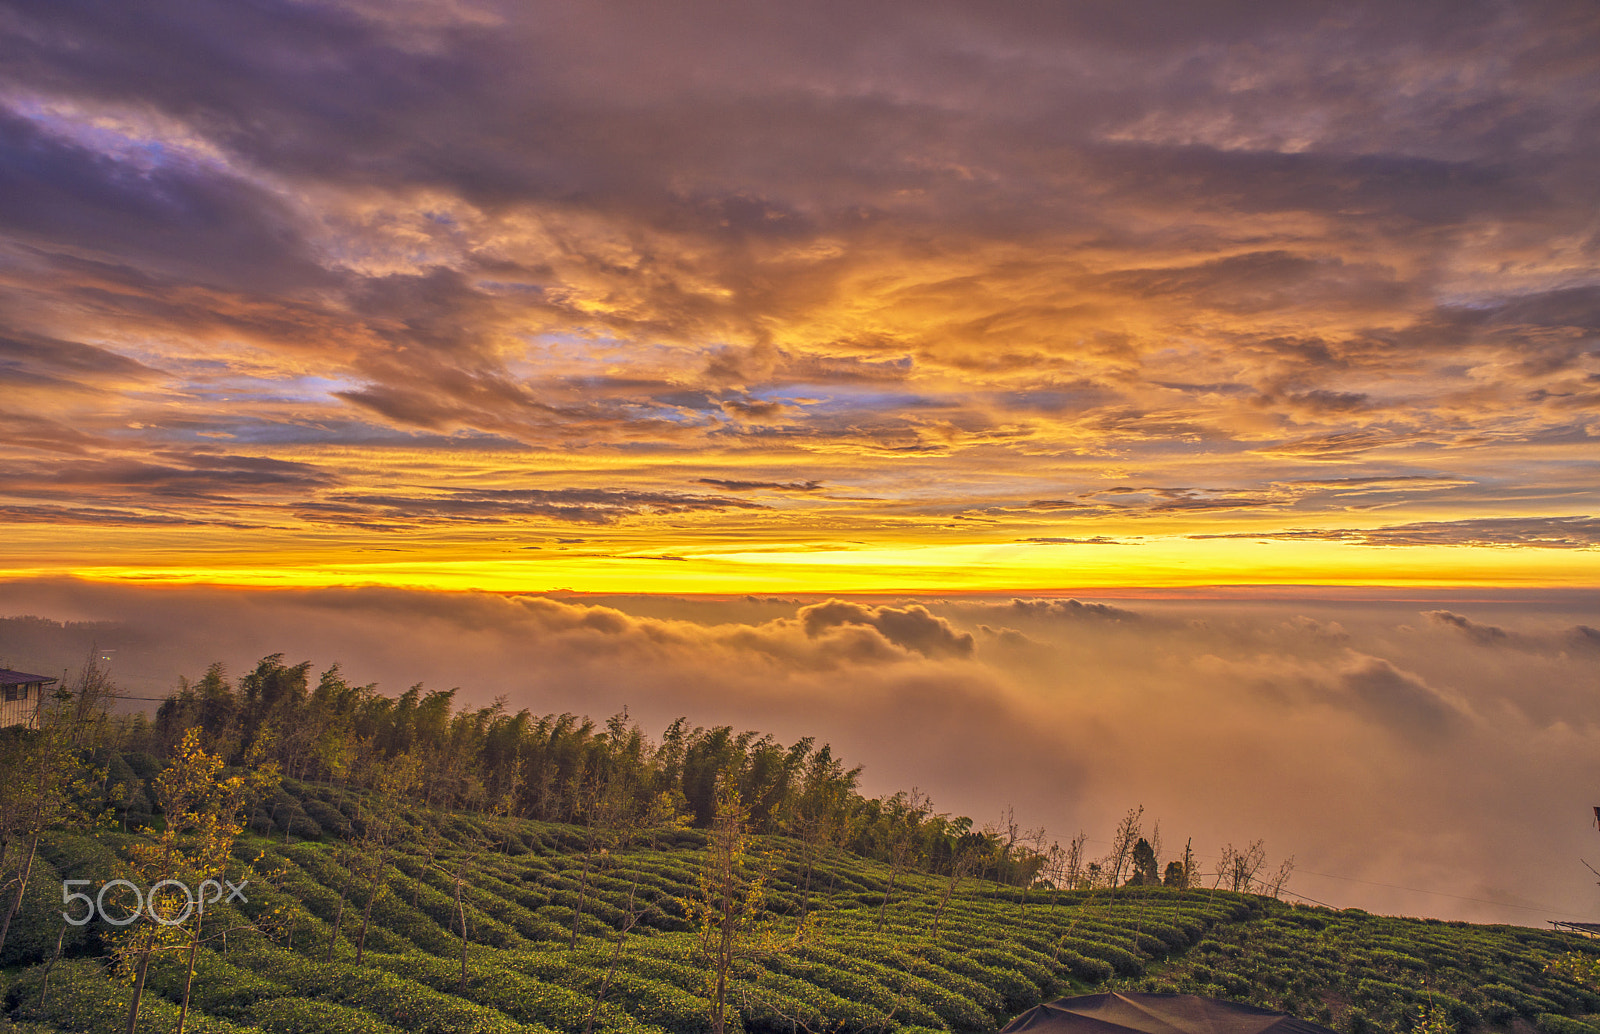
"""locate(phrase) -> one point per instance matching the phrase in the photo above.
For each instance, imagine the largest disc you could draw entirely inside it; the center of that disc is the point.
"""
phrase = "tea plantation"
(636, 966)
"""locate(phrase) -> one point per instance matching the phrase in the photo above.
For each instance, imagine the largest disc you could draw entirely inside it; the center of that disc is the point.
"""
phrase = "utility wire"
(1436, 893)
(1393, 886)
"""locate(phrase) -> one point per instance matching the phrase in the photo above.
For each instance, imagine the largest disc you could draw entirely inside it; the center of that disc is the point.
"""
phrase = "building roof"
(20, 678)
(1147, 1013)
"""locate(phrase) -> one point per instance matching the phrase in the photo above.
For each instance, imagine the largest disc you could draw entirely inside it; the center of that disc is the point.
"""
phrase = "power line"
(1435, 893)
(1314, 901)
(1394, 886)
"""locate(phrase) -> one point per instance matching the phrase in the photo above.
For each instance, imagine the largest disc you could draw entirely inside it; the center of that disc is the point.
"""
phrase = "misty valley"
(289, 855)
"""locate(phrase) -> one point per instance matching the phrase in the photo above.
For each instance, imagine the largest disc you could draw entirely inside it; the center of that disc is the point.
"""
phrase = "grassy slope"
(995, 955)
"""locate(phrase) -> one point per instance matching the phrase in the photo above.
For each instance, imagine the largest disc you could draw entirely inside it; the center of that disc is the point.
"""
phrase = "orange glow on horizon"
(973, 568)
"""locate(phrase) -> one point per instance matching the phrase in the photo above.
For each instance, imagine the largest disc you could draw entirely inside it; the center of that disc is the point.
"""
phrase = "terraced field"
(281, 969)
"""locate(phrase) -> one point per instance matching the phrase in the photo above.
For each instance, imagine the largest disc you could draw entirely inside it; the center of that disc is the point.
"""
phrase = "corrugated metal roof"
(18, 678)
(1140, 1012)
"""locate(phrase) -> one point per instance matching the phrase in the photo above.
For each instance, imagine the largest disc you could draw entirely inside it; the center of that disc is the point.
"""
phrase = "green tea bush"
(1125, 963)
(393, 999)
(846, 979)
(819, 1008)
(1552, 1023)
(306, 1016)
(219, 987)
(331, 820)
(492, 983)
(81, 998)
(37, 924)
(1039, 975)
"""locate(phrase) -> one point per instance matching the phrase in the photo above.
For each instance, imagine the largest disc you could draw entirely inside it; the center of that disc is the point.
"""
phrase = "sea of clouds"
(1423, 756)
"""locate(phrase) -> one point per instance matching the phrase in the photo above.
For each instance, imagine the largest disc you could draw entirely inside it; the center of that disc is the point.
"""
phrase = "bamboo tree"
(610, 805)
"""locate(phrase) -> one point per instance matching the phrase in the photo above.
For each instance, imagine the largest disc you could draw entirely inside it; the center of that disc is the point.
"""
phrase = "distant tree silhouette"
(1145, 873)
(1237, 870)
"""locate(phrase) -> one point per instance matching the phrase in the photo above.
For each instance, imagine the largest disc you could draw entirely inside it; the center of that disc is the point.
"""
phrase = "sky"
(800, 297)
(577, 352)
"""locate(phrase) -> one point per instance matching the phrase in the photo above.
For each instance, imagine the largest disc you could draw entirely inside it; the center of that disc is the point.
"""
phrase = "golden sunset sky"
(800, 297)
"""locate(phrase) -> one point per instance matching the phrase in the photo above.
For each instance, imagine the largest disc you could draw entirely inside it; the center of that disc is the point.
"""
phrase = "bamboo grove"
(568, 768)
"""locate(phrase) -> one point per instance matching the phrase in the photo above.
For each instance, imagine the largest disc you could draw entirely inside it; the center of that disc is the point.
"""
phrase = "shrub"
(219, 988)
(37, 922)
(303, 1016)
(405, 1003)
(1554, 1023)
(330, 819)
(82, 998)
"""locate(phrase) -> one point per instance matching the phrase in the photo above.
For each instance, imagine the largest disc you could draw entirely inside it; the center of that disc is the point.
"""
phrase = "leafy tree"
(460, 875)
(44, 781)
(816, 814)
(212, 823)
(729, 912)
(902, 821)
(1433, 1019)
(966, 853)
(1576, 967)
(202, 815)
(630, 919)
(392, 784)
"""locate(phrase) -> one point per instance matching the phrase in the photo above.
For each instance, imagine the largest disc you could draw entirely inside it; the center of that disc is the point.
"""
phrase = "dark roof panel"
(19, 678)
(1138, 1013)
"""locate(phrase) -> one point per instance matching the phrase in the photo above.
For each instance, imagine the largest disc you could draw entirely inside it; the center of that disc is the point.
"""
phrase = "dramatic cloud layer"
(713, 281)
(1428, 758)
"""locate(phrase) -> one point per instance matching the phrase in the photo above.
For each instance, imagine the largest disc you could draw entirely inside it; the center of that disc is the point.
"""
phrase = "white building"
(20, 694)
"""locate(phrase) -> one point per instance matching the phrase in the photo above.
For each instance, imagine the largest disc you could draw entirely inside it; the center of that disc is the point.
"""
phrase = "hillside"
(998, 950)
